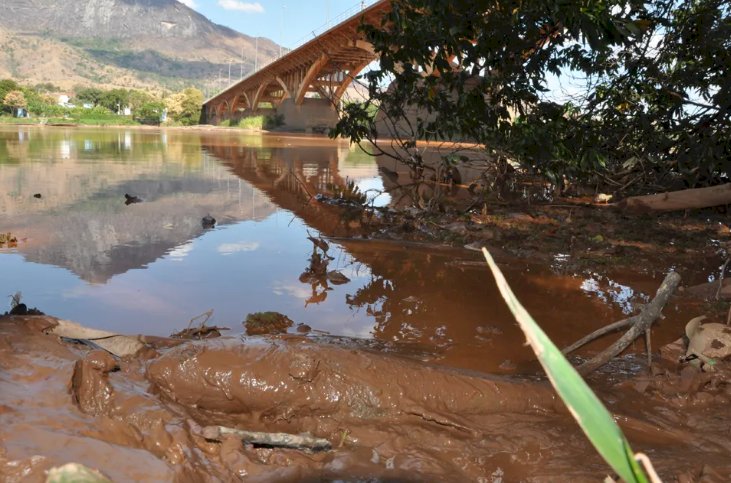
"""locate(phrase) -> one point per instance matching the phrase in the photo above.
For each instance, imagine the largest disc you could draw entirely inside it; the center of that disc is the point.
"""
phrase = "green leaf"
(593, 418)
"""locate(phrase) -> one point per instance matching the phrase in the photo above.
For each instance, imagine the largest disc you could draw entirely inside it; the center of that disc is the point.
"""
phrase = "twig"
(621, 324)
(207, 314)
(282, 440)
(648, 345)
(641, 323)
(720, 278)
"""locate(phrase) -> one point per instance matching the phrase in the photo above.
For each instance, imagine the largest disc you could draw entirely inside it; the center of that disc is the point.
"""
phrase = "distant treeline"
(91, 105)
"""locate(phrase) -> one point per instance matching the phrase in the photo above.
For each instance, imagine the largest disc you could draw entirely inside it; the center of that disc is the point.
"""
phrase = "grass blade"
(593, 418)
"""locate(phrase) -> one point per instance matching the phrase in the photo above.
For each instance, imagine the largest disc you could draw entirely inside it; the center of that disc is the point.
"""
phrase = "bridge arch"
(327, 65)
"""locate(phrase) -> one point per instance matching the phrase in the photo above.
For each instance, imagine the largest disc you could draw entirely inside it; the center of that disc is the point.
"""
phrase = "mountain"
(121, 43)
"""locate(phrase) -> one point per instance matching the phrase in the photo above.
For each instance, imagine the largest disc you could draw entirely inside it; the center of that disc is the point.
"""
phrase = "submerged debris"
(203, 331)
(208, 221)
(260, 323)
(129, 199)
(337, 278)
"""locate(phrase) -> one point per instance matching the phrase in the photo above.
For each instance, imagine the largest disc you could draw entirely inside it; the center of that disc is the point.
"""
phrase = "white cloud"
(189, 3)
(229, 248)
(242, 6)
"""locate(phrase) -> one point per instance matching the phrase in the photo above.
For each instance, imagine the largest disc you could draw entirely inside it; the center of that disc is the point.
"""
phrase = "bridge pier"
(313, 115)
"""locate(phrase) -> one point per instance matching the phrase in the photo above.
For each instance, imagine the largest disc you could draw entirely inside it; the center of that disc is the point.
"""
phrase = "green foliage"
(252, 122)
(115, 99)
(594, 419)
(150, 112)
(653, 95)
(184, 107)
(89, 95)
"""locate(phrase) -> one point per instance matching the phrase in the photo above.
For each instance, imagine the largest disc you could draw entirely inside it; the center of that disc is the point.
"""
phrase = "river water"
(149, 267)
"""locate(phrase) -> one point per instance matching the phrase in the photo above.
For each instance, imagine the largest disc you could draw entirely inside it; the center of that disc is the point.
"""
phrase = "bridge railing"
(344, 15)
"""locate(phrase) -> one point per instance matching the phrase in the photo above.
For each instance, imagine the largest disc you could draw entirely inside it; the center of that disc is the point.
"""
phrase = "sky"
(286, 22)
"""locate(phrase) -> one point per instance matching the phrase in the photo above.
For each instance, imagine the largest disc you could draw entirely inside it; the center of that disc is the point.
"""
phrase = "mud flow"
(252, 293)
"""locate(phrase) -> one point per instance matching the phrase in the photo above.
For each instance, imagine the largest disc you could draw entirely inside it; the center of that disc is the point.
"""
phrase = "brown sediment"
(387, 417)
(312, 380)
(90, 386)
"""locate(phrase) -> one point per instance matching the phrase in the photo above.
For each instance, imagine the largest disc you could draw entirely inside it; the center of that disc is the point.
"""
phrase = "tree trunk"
(679, 200)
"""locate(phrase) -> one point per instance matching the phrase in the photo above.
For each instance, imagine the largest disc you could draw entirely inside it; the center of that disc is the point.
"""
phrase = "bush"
(252, 122)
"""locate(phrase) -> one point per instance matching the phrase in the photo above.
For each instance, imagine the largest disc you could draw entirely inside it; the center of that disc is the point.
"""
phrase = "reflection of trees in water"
(411, 298)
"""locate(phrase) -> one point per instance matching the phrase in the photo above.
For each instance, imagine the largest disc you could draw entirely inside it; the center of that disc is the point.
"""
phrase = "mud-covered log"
(679, 200)
(281, 440)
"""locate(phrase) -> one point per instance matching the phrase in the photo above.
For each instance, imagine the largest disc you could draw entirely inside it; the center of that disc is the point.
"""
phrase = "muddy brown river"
(411, 364)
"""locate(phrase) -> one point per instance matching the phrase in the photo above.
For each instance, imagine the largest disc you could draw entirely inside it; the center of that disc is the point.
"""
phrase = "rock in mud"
(90, 388)
(261, 323)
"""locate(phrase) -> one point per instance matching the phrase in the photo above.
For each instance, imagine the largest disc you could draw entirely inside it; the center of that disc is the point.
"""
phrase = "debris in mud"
(129, 199)
(708, 343)
(116, 344)
(19, 308)
(262, 323)
(281, 440)
(8, 239)
(203, 331)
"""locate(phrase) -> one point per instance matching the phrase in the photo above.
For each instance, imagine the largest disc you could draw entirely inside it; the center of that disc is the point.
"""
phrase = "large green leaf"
(594, 419)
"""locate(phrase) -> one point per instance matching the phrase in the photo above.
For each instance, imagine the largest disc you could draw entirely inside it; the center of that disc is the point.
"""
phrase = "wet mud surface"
(387, 417)
(389, 339)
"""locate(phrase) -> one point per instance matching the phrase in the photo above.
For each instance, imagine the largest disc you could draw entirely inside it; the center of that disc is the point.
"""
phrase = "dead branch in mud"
(282, 440)
(638, 325)
(679, 200)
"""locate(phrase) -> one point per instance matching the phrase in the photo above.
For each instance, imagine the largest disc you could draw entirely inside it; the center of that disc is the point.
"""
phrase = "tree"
(15, 100)
(650, 104)
(89, 95)
(7, 85)
(115, 100)
(185, 106)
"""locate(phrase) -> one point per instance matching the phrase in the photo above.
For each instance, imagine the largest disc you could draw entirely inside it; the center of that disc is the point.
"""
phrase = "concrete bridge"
(305, 84)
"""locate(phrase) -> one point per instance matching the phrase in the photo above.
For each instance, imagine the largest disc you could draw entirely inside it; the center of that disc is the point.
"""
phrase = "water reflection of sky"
(151, 267)
(611, 292)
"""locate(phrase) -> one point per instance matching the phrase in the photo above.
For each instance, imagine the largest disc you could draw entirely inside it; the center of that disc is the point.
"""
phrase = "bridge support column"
(312, 115)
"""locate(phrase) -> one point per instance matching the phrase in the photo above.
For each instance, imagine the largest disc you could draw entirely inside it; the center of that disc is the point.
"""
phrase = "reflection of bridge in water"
(304, 84)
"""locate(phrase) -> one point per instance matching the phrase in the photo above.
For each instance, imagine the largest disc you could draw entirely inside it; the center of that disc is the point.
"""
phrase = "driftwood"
(281, 440)
(679, 200)
(638, 325)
